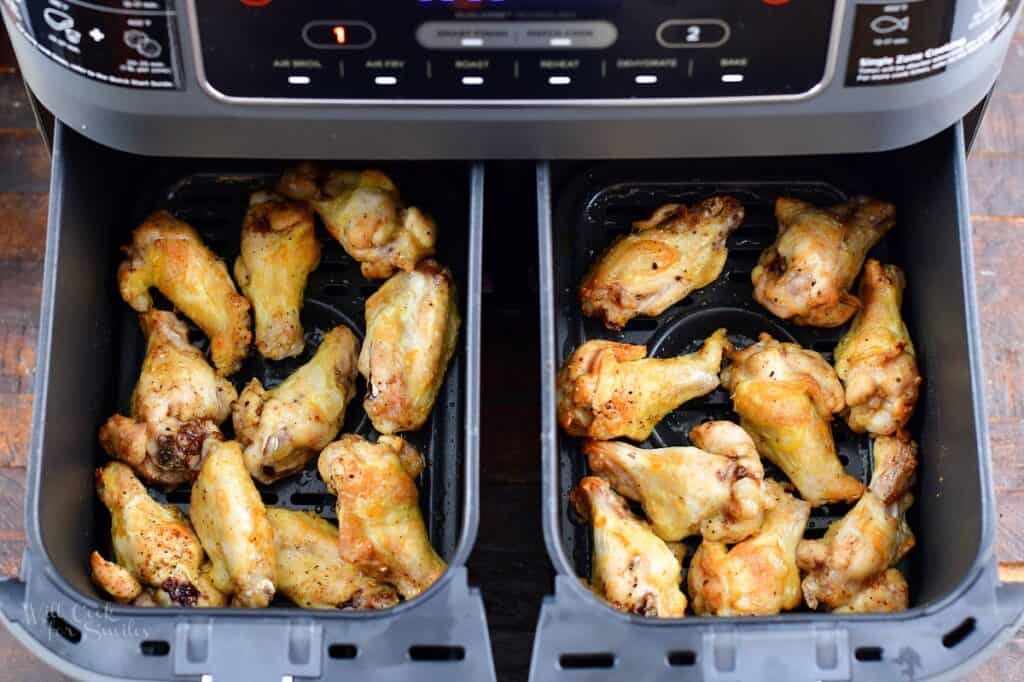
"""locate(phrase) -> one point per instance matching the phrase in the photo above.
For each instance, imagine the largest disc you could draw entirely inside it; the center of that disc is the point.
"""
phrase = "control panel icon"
(141, 42)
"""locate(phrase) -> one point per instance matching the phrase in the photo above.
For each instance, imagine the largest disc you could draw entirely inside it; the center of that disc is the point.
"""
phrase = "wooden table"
(509, 556)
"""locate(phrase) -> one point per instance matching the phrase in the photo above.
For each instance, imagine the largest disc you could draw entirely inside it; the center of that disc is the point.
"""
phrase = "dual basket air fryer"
(90, 350)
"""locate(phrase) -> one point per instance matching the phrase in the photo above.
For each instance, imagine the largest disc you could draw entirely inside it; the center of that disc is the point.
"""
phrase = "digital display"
(523, 4)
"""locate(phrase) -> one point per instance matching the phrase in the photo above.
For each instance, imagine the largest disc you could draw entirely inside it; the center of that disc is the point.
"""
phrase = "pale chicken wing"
(633, 569)
(232, 524)
(170, 255)
(875, 359)
(363, 210)
(310, 571)
(786, 396)
(607, 389)
(806, 274)
(380, 527)
(178, 403)
(412, 325)
(678, 250)
(859, 548)
(282, 429)
(714, 489)
(279, 249)
(759, 576)
(159, 561)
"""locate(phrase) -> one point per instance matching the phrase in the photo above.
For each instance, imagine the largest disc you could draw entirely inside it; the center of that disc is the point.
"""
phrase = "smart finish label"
(903, 42)
(128, 43)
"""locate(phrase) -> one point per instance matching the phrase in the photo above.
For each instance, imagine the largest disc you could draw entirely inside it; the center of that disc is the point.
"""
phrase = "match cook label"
(128, 43)
(904, 42)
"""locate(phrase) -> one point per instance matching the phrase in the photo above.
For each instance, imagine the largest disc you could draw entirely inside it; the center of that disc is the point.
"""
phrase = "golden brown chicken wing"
(786, 396)
(876, 359)
(412, 324)
(364, 212)
(310, 571)
(759, 576)
(279, 250)
(177, 404)
(714, 489)
(678, 250)
(232, 524)
(285, 427)
(887, 593)
(633, 569)
(159, 558)
(807, 273)
(607, 389)
(168, 254)
(380, 527)
(858, 549)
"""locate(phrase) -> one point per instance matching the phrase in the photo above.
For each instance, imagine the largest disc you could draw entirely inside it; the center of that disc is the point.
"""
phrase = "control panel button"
(523, 35)
(693, 33)
(339, 34)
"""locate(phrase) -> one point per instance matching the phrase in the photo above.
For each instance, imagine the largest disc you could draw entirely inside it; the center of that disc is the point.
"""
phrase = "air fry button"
(339, 34)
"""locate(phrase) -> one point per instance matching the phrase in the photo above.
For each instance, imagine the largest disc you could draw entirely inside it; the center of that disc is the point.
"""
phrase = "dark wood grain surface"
(509, 557)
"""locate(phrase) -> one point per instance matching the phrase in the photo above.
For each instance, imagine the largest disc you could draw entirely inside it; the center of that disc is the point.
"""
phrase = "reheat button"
(693, 33)
(339, 34)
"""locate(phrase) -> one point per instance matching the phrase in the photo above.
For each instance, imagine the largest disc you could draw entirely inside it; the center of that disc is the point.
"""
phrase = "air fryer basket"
(957, 608)
(90, 352)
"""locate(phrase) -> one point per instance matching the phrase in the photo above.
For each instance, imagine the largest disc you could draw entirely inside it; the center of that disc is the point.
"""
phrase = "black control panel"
(513, 50)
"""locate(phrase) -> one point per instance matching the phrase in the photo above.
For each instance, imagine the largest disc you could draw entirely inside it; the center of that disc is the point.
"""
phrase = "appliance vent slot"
(155, 647)
(868, 654)
(436, 653)
(586, 661)
(343, 651)
(959, 633)
(63, 628)
(678, 659)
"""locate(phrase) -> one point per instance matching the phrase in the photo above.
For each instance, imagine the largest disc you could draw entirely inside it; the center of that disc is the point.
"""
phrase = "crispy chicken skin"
(178, 402)
(412, 325)
(280, 430)
(676, 251)
(364, 212)
(714, 489)
(380, 527)
(279, 249)
(607, 389)
(856, 553)
(633, 569)
(759, 576)
(159, 558)
(875, 359)
(806, 274)
(786, 396)
(168, 254)
(232, 524)
(310, 571)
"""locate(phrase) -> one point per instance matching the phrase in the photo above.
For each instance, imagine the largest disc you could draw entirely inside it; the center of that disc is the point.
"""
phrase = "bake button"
(340, 34)
(693, 33)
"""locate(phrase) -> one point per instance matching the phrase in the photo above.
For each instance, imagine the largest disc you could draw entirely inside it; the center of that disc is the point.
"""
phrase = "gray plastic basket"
(959, 610)
(89, 352)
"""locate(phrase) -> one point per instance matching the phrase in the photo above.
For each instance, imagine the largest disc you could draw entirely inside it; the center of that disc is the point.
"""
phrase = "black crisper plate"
(215, 204)
(598, 210)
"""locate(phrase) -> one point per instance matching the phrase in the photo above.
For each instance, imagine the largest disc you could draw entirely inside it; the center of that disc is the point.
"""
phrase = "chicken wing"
(364, 212)
(310, 571)
(607, 389)
(633, 569)
(807, 273)
(178, 402)
(412, 324)
(279, 249)
(168, 254)
(159, 558)
(282, 429)
(380, 527)
(232, 524)
(859, 548)
(759, 576)
(714, 489)
(786, 396)
(887, 593)
(678, 250)
(876, 359)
